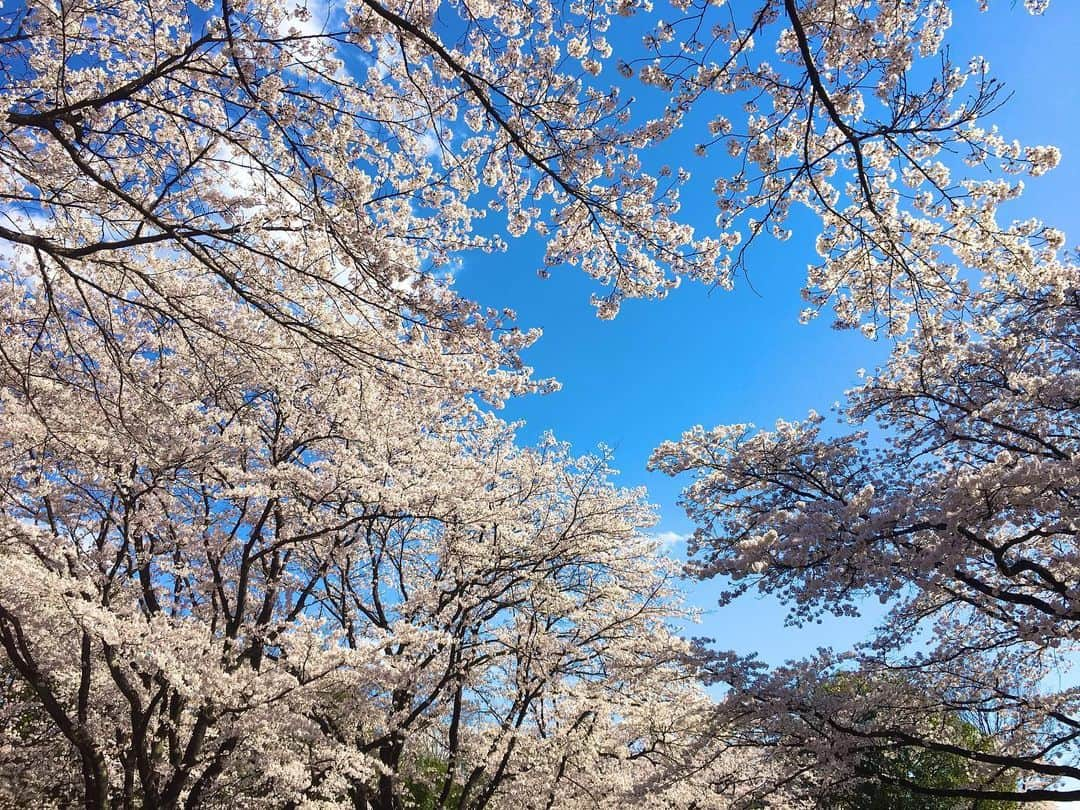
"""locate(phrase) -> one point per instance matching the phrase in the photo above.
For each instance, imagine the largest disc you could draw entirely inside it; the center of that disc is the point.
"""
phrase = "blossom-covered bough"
(854, 111)
(260, 544)
(292, 154)
(961, 516)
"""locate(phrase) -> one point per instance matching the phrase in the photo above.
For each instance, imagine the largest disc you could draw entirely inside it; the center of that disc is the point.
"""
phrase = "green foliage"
(426, 784)
(920, 766)
(931, 769)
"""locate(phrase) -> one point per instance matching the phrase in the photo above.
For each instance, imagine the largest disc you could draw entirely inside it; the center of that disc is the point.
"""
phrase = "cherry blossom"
(230, 579)
(957, 511)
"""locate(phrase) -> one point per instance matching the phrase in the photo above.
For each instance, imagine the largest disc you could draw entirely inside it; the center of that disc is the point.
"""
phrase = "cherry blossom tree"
(959, 513)
(293, 582)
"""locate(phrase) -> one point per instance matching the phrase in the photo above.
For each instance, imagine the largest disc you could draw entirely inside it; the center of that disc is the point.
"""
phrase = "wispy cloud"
(669, 540)
(314, 17)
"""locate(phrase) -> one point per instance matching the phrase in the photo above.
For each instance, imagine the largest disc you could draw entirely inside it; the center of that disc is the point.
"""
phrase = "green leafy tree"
(898, 777)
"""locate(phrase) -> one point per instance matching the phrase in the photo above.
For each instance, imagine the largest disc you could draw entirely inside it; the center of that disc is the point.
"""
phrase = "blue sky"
(715, 356)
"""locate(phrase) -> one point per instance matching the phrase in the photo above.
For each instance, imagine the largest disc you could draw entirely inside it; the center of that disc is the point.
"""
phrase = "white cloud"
(669, 540)
(314, 19)
(430, 144)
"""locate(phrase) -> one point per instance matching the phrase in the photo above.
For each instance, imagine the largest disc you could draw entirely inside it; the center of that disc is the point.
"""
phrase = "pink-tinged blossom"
(959, 514)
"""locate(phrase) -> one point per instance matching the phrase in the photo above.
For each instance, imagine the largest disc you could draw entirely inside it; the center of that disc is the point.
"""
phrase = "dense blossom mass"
(263, 541)
(286, 582)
